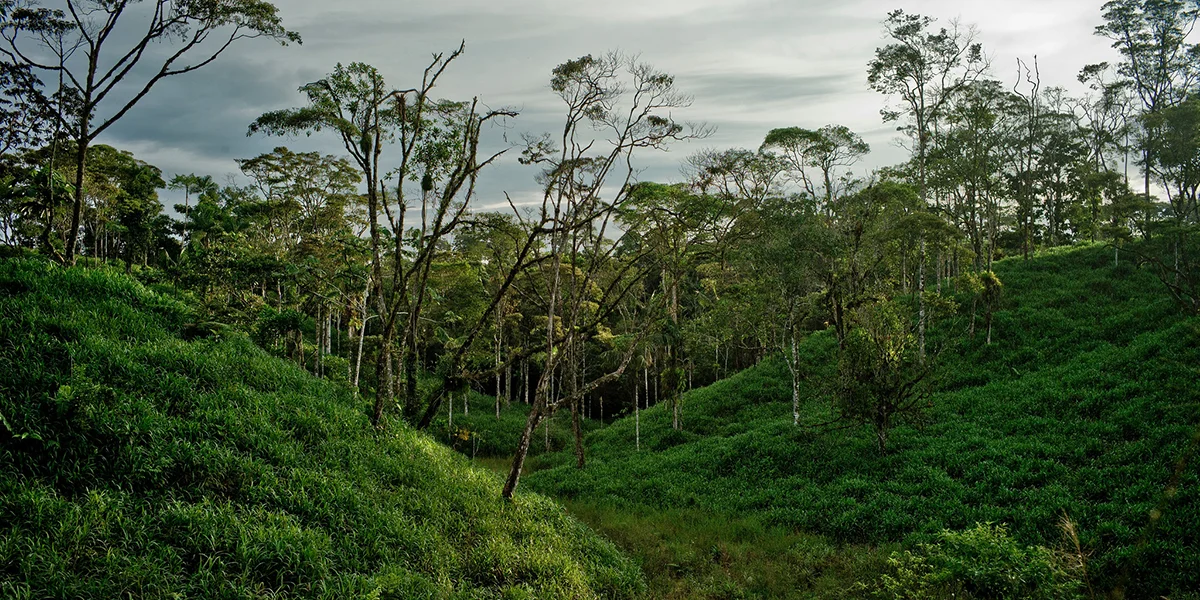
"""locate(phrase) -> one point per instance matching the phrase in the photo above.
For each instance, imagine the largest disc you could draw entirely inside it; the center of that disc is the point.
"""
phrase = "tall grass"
(134, 463)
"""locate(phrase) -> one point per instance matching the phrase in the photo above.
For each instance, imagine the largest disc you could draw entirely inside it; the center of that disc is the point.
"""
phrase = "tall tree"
(1160, 62)
(925, 69)
(968, 164)
(191, 185)
(629, 103)
(25, 112)
(438, 143)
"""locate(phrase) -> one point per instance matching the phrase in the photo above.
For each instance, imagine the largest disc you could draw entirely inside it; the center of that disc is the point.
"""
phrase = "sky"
(750, 66)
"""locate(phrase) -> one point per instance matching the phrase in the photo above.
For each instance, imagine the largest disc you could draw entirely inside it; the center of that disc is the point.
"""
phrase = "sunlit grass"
(136, 464)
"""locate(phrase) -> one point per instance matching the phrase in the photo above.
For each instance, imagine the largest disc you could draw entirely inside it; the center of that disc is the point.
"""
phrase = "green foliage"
(983, 562)
(137, 464)
(882, 376)
(1084, 401)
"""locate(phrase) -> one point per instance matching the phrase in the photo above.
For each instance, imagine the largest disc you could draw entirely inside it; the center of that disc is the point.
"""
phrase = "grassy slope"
(135, 463)
(1083, 404)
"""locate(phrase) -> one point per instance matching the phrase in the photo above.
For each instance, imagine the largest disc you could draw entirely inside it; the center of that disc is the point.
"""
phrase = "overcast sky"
(751, 65)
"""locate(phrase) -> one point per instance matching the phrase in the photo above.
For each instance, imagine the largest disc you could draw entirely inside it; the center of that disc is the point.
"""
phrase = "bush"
(983, 562)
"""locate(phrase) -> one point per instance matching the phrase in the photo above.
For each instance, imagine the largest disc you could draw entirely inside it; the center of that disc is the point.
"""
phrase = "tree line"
(376, 267)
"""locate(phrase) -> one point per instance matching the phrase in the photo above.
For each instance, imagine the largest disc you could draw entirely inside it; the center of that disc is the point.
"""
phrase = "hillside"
(137, 463)
(1084, 404)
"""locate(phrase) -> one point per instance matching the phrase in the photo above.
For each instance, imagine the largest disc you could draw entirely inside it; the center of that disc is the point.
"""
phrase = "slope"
(137, 463)
(1084, 404)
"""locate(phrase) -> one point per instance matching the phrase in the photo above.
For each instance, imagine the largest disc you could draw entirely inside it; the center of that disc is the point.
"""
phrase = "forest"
(972, 374)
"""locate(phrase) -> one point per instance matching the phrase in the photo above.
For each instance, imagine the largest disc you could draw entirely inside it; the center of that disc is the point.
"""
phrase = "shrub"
(983, 562)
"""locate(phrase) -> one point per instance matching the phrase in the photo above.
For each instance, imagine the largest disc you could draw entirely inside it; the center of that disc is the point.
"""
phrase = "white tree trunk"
(794, 366)
(362, 332)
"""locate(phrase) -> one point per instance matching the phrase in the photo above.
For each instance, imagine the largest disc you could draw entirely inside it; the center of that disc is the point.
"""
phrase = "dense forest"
(971, 374)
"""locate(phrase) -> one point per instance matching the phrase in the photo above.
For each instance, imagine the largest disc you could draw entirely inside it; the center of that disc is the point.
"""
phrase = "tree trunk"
(794, 367)
(675, 413)
(318, 364)
(328, 331)
(362, 333)
(383, 381)
(514, 473)
(921, 303)
(411, 356)
(577, 430)
(637, 417)
(77, 208)
(646, 381)
(499, 341)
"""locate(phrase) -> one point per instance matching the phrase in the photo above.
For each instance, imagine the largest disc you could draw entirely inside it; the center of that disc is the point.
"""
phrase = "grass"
(137, 463)
(1084, 404)
(695, 553)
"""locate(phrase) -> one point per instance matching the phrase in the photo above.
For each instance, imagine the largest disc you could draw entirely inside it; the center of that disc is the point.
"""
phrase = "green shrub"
(984, 563)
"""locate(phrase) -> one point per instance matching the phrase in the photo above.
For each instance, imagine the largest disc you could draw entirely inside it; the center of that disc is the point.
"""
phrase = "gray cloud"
(765, 91)
(751, 65)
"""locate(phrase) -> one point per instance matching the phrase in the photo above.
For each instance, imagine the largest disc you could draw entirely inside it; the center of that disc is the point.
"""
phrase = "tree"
(737, 177)
(925, 69)
(25, 112)
(686, 230)
(1176, 157)
(968, 165)
(792, 294)
(130, 188)
(31, 192)
(1161, 65)
(77, 43)
(882, 376)
(319, 186)
(826, 149)
(191, 184)
(438, 144)
(629, 104)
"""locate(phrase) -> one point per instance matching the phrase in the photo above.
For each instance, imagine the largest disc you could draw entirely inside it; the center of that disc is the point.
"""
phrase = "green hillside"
(1084, 405)
(137, 463)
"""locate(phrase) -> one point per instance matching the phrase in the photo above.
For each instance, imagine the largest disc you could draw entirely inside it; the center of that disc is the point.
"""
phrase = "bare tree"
(624, 100)
(438, 144)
